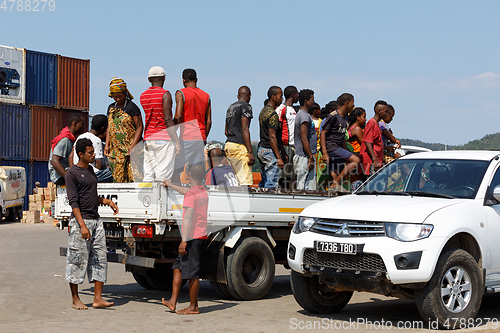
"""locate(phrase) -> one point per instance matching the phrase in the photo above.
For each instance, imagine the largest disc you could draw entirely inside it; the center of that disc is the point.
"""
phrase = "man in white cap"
(160, 139)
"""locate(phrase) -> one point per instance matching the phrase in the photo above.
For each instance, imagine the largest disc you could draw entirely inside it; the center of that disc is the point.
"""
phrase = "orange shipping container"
(46, 124)
(73, 83)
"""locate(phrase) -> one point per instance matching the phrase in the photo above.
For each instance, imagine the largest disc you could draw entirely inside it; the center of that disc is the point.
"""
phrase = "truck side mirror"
(496, 193)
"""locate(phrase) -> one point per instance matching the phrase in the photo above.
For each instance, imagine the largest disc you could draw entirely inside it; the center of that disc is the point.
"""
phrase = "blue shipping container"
(15, 132)
(40, 174)
(41, 78)
(29, 172)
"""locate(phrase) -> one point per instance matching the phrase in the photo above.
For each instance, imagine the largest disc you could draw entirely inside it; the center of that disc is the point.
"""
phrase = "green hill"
(488, 142)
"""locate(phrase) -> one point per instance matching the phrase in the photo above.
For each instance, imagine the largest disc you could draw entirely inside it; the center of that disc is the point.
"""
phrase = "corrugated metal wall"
(73, 83)
(41, 78)
(46, 124)
(15, 132)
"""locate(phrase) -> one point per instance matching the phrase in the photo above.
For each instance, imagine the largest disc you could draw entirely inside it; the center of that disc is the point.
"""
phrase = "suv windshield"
(433, 178)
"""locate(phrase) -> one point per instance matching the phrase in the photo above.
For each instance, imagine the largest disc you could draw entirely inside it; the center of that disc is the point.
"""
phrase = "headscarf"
(118, 85)
(212, 145)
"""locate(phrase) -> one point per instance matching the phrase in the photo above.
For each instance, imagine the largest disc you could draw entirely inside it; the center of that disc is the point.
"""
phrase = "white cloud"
(488, 76)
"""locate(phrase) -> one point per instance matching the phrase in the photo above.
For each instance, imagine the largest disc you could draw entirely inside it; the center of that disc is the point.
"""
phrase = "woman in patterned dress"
(124, 131)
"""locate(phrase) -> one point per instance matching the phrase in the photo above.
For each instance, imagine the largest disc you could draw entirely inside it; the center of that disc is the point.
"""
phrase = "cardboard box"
(32, 206)
(33, 217)
(39, 197)
(47, 190)
(47, 219)
(47, 205)
(51, 185)
(39, 205)
(55, 223)
(50, 197)
(32, 198)
(23, 220)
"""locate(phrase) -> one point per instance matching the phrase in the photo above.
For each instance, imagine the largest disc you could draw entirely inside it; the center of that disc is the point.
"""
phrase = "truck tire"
(250, 269)
(11, 215)
(454, 292)
(316, 298)
(142, 281)
(220, 289)
(161, 277)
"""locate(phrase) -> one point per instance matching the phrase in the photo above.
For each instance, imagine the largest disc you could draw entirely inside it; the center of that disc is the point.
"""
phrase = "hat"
(157, 71)
(37, 184)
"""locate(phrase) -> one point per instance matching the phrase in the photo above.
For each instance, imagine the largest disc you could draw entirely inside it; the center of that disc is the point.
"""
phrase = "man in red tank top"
(194, 114)
(159, 131)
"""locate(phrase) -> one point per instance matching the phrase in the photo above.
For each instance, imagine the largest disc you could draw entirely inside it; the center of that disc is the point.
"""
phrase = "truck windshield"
(432, 178)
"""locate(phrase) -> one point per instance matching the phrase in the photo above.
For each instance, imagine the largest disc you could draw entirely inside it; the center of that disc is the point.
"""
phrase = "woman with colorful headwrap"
(124, 131)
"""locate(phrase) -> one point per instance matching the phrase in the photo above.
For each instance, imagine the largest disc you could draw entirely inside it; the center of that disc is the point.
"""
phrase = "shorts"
(189, 265)
(86, 256)
(193, 152)
(158, 160)
(338, 159)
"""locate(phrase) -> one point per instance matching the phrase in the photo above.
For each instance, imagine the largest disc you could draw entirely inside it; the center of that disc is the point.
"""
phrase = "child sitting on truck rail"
(194, 233)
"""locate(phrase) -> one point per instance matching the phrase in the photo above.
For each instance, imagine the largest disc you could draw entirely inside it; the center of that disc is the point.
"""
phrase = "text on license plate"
(334, 247)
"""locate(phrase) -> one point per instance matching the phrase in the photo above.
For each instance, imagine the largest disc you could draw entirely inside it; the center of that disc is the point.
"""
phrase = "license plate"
(333, 247)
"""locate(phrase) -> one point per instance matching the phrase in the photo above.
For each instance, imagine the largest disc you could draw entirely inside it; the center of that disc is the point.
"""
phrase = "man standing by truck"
(159, 131)
(87, 239)
(238, 145)
(194, 234)
(194, 114)
(62, 146)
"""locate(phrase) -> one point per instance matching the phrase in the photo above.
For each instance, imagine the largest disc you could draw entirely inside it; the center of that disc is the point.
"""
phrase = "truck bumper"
(123, 259)
(377, 256)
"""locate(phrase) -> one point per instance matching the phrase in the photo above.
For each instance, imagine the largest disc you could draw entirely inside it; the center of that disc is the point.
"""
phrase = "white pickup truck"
(426, 227)
(249, 230)
(12, 192)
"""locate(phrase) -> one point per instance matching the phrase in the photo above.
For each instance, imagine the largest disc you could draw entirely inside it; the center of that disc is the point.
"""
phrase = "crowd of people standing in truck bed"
(303, 147)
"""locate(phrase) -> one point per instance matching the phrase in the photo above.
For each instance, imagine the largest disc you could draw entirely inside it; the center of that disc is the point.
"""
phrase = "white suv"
(426, 226)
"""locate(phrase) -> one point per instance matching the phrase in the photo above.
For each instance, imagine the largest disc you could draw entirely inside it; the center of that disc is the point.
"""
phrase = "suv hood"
(383, 208)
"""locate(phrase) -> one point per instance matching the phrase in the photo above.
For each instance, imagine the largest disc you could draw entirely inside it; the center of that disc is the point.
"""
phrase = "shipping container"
(46, 124)
(29, 178)
(15, 132)
(40, 174)
(73, 83)
(12, 75)
(41, 78)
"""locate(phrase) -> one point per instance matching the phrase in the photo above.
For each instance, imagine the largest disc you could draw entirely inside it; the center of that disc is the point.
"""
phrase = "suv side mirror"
(496, 193)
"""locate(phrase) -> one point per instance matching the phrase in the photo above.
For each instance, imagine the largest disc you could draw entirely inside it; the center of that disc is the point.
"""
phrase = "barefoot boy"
(87, 241)
(194, 233)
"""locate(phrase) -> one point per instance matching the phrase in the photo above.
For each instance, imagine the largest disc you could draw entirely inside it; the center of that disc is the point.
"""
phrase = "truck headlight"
(407, 232)
(303, 224)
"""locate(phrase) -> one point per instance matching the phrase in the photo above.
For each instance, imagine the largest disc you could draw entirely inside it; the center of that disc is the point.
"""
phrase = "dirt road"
(34, 297)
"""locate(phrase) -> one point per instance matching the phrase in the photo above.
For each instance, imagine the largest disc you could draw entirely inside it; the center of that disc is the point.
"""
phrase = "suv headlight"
(303, 224)
(407, 232)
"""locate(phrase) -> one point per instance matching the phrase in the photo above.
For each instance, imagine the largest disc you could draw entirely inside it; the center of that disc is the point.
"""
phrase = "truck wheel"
(161, 277)
(315, 297)
(11, 215)
(142, 281)
(250, 269)
(220, 289)
(454, 291)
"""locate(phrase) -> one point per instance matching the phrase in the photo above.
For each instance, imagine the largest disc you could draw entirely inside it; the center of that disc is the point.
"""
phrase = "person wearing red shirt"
(372, 147)
(194, 234)
(193, 112)
(159, 133)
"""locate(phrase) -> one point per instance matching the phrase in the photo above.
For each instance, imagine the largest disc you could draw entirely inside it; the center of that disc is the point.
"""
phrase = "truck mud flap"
(213, 253)
(121, 258)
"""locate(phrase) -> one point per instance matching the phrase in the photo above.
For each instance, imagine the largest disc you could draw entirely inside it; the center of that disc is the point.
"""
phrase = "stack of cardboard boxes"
(40, 206)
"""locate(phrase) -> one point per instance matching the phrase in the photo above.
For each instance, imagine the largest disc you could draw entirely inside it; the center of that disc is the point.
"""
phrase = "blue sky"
(436, 62)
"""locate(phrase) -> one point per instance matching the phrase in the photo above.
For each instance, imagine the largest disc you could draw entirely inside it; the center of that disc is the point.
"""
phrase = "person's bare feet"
(168, 304)
(99, 304)
(77, 304)
(189, 310)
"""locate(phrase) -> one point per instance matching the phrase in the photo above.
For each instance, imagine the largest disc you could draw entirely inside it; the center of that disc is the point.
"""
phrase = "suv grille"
(364, 262)
(342, 228)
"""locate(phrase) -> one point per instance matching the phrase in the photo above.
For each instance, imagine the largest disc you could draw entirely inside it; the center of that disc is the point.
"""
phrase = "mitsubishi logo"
(343, 230)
